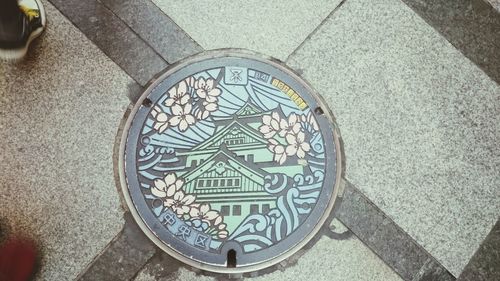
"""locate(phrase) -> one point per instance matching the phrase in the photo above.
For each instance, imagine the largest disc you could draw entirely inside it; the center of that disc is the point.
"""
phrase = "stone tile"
(401, 253)
(123, 257)
(114, 38)
(432, 271)
(274, 28)
(59, 112)
(485, 264)
(329, 259)
(472, 26)
(158, 30)
(420, 123)
(359, 214)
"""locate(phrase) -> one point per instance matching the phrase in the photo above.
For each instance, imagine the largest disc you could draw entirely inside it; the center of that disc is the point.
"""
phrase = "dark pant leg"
(9, 10)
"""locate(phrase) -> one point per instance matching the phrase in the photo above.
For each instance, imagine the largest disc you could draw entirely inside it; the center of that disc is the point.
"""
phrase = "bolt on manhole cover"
(230, 162)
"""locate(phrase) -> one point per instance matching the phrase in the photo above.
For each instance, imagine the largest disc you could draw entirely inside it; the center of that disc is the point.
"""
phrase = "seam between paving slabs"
(196, 47)
(134, 75)
(315, 30)
(367, 236)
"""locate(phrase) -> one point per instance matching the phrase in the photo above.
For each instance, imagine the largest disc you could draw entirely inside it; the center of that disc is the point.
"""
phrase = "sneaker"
(31, 24)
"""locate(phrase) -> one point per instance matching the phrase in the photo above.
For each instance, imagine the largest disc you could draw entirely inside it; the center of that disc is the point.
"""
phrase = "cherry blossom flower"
(161, 120)
(206, 89)
(271, 125)
(182, 116)
(180, 203)
(178, 95)
(297, 145)
(167, 186)
(206, 109)
(290, 126)
(204, 213)
(278, 150)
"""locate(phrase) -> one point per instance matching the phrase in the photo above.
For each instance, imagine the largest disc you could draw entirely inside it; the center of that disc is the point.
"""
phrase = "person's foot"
(18, 259)
(16, 36)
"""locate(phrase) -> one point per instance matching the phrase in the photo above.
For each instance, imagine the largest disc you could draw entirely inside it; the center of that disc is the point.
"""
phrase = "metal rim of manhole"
(230, 162)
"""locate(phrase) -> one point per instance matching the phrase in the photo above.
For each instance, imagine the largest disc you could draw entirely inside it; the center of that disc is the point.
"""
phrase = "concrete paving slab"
(338, 259)
(420, 123)
(59, 112)
(274, 28)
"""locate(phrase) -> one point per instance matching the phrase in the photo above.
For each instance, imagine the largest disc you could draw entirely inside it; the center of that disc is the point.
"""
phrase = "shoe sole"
(18, 54)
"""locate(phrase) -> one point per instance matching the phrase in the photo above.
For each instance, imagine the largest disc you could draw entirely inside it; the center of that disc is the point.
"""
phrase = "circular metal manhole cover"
(230, 162)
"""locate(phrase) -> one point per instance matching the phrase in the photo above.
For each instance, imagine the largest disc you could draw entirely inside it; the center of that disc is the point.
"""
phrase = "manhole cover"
(230, 162)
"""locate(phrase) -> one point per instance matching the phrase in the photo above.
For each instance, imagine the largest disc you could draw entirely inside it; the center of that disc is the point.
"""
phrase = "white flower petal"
(300, 153)
(188, 200)
(214, 92)
(275, 124)
(201, 93)
(158, 193)
(162, 127)
(194, 212)
(292, 119)
(210, 99)
(269, 135)
(175, 120)
(169, 102)
(187, 108)
(161, 185)
(265, 129)
(205, 115)
(218, 220)
(300, 137)
(211, 107)
(276, 116)
(296, 128)
(190, 119)
(179, 195)
(283, 124)
(291, 139)
(182, 89)
(273, 141)
(279, 149)
(183, 125)
(266, 119)
(291, 150)
(210, 84)
(170, 179)
(168, 202)
(204, 208)
(179, 183)
(305, 146)
(282, 159)
(210, 215)
(171, 191)
(162, 117)
(177, 109)
(184, 99)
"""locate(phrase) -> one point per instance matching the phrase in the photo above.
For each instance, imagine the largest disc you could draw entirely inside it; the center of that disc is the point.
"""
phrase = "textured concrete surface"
(420, 123)
(125, 255)
(59, 112)
(327, 260)
(274, 28)
(485, 264)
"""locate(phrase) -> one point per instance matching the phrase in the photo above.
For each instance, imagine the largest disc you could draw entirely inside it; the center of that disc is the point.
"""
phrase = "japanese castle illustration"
(227, 170)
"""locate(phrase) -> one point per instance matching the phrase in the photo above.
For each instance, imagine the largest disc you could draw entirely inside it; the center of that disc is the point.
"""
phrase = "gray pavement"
(274, 28)
(59, 112)
(329, 259)
(419, 122)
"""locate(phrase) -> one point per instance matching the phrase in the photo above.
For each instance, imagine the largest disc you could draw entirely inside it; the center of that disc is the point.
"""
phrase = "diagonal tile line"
(387, 240)
(133, 31)
(114, 37)
(471, 26)
(315, 29)
(143, 16)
